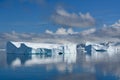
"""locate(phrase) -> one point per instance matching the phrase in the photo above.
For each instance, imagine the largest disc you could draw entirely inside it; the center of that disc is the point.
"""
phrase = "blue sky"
(35, 15)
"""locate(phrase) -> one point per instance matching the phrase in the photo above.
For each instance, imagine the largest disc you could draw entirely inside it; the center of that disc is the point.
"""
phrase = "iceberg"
(92, 48)
(46, 52)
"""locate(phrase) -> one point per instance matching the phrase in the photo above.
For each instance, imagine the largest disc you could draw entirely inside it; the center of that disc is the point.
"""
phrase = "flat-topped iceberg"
(42, 51)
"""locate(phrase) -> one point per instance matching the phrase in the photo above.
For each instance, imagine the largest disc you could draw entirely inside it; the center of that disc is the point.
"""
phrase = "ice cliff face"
(20, 48)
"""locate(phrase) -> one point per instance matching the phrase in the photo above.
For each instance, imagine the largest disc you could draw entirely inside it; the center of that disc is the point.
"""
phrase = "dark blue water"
(16, 67)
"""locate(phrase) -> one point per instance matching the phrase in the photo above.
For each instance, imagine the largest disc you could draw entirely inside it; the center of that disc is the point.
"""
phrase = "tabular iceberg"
(42, 51)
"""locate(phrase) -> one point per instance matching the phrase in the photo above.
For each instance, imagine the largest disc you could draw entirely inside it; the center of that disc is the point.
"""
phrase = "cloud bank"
(65, 18)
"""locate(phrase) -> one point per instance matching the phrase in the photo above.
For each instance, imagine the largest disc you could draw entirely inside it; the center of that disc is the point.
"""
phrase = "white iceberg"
(99, 50)
(42, 52)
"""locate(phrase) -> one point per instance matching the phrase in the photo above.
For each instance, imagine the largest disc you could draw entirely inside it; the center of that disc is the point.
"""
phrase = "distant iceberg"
(97, 49)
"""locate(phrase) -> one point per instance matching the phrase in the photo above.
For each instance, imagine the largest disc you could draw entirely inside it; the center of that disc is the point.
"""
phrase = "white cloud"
(65, 18)
(88, 32)
(70, 31)
(62, 31)
(116, 24)
(48, 32)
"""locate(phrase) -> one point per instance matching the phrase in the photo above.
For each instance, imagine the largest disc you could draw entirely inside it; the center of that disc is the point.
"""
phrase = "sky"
(39, 16)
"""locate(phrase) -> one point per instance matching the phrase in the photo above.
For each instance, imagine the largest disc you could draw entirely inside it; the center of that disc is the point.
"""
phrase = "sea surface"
(23, 67)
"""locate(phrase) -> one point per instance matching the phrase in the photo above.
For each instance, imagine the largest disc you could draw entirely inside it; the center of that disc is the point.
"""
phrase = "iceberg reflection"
(83, 61)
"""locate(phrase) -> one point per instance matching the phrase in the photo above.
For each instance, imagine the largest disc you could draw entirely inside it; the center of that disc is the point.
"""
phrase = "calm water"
(23, 67)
